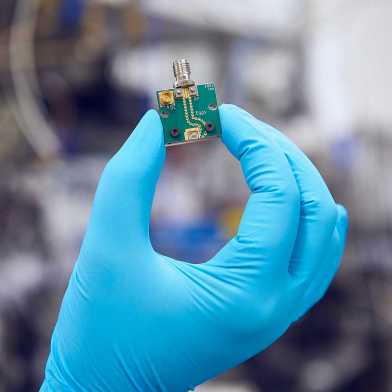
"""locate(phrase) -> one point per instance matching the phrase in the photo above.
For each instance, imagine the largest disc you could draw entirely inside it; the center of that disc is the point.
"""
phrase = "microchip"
(189, 112)
(192, 134)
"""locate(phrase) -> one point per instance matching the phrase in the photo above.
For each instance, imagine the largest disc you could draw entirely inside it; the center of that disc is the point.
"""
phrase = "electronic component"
(192, 134)
(189, 112)
(166, 98)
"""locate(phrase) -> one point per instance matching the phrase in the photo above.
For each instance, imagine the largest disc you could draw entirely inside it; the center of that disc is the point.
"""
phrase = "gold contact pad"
(166, 98)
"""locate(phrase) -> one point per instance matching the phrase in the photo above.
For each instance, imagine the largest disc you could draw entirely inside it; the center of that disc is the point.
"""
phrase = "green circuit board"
(189, 114)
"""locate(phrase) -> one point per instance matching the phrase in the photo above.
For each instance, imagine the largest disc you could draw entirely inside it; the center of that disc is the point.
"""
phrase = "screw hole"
(175, 132)
(209, 127)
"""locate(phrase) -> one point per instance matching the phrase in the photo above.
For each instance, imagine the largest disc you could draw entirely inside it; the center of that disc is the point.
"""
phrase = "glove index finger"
(268, 227)
(318, 209)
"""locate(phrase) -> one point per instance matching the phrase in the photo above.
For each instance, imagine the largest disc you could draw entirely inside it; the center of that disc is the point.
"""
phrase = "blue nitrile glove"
(134, 320)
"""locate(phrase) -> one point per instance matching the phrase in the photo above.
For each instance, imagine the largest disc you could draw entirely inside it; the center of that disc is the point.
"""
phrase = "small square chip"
(189, 112)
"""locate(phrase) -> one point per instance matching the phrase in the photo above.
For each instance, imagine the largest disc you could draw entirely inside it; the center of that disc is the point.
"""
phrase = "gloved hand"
(135, 320)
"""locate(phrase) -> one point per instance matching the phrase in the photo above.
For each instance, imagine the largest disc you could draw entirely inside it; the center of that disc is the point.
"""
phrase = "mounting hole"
(175, 132)
(164, 114)
(209, 127)
(212, 106)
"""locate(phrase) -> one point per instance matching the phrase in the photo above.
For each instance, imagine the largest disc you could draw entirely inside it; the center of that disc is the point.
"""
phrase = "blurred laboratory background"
(77, 75)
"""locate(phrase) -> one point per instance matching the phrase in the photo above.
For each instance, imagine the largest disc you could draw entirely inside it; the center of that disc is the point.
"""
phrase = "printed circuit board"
(189, 112)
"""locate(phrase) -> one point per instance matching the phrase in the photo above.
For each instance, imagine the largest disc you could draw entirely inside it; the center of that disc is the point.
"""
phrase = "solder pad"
(189, 114)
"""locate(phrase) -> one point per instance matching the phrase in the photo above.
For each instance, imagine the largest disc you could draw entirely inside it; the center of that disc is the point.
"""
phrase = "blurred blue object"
(343, 151)
(70, 15)
(192, 243)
